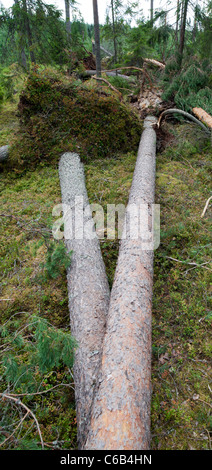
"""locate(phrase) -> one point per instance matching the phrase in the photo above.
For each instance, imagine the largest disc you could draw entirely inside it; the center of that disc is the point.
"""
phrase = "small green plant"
(36, 348)
(57, 260)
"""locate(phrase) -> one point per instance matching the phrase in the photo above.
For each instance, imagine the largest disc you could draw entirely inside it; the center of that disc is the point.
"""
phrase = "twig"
(40, 393)
(209, 438)
(205, 402)
(206, 206)
(8, 438)
(187, 262)
(18, 402)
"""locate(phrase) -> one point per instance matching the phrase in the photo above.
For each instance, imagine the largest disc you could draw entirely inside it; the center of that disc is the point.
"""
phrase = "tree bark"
(4, 153)
(97, 38)
(28, 32)
(68, 21)
(183, 28)
(151, 10)
(114, 31)
(88, 289)
(121, 411)
(177, 22)
(203, 116)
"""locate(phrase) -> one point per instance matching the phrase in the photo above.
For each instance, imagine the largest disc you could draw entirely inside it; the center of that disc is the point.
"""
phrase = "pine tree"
(97, 38)
(183, 27)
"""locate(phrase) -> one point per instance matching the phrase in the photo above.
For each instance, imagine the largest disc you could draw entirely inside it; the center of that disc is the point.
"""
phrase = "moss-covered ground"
(181, 343)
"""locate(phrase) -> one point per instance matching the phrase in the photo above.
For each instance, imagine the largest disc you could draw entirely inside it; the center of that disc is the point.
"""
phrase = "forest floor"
(181, 336)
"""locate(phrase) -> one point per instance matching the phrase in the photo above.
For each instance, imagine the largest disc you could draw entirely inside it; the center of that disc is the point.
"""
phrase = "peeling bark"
(121, 410)
(88, 292)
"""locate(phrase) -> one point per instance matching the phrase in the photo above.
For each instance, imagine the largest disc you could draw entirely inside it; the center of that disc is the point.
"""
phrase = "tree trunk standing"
(177, 21)
(23, 59)
(121, 410)
(114, 32)
(151, 10)
(68, 21)
(194, 33)
(97, 38)
(28, 32)
(183, 28)
(88, 288)
(22, 53)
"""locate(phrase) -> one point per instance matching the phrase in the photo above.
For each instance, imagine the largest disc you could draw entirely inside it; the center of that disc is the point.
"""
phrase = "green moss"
(181, 299)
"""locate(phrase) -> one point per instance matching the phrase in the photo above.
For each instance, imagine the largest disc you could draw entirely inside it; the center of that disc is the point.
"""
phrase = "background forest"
(49, 104)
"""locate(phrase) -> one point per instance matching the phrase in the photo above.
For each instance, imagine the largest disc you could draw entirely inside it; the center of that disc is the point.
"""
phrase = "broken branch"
(109, 85)
(206, 206)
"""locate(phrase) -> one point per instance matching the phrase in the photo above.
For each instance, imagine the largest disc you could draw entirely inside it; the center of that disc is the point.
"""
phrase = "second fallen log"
(88, 288)
(121, 411)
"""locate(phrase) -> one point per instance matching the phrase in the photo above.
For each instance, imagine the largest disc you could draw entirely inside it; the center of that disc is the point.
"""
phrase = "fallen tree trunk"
(4, 153)
(109, 73)
(203, 116)
(88, 288)
(121, 410)
(183, 113)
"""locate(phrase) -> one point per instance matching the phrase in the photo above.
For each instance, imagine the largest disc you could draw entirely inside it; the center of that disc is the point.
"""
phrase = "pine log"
(4, 153)
(121, 411)
(88, 288)
(203, 116)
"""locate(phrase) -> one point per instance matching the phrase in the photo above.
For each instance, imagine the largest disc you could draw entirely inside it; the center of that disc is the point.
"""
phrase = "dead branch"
(109, 85)
(206, 206)
(17, 427)
(183, 113)
(19, 402)
(42, 392)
